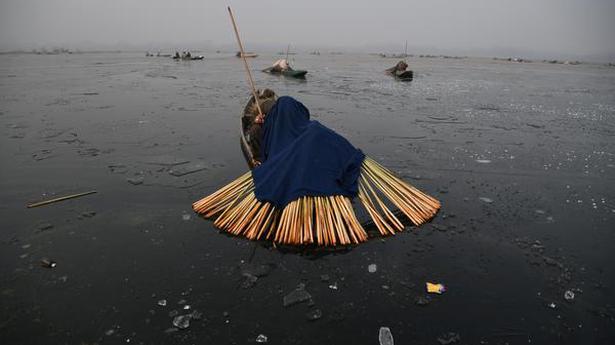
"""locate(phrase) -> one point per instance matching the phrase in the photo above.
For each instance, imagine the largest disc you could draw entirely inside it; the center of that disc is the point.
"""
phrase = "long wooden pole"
(47, 202)
(245, 62)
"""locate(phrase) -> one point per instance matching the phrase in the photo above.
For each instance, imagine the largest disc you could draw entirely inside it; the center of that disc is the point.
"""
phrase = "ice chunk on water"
(261, 338)
(182, 321)
(485, 199)
(372, 268)
(568, 295)
(385, 337)
(297, 296)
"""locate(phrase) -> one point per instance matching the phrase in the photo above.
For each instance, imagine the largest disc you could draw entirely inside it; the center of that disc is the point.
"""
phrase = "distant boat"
(188, 58)
(246, 54)
(399, 72)
(292, 73)
(403, 76)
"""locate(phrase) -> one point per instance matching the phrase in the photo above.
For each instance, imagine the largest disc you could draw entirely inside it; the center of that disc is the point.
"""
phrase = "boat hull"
(296, 73)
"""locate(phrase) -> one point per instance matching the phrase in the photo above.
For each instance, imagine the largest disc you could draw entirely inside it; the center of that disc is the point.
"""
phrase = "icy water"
(521, 156)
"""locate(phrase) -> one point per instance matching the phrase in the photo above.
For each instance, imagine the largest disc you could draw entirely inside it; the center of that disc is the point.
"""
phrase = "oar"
(245, 62)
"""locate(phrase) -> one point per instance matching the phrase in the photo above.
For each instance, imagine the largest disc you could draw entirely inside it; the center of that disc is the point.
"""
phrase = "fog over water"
(575, 28)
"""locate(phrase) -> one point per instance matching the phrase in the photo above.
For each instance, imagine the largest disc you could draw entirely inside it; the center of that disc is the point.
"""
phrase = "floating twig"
(62, 198)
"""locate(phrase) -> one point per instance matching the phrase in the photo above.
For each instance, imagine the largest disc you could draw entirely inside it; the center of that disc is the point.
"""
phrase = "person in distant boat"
(399, 68)
(176, 55)
(267, 99)
(281, 65)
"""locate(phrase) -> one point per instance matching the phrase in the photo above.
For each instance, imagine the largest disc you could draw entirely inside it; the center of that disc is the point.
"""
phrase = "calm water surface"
(521, 156)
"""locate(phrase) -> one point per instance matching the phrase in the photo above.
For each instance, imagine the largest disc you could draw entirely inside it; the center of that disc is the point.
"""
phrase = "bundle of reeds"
(325, 221)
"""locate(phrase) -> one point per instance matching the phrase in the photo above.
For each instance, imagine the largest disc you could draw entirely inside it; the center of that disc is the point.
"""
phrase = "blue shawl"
(303, 158)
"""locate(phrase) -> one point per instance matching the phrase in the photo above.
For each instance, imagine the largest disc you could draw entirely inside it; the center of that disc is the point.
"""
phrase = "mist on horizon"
(548, 27)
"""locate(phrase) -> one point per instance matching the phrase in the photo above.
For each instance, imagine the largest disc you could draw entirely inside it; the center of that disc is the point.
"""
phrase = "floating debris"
(48, 263)
(261, 338)
(162, 302)
(435, 288)
(333, 286)
(62, 198)
(551, 305)
(182, 321)
(486, 200)
(385, 337)
(372, 268)
(569, 295)
(186, 217)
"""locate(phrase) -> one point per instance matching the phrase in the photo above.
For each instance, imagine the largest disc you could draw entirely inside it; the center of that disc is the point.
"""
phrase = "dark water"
(521, 156)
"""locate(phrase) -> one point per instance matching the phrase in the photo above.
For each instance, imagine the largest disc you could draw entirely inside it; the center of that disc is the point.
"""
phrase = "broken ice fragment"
(297, 296)
(568, 295)
(182, 321)
(485, 199)
(385, 337)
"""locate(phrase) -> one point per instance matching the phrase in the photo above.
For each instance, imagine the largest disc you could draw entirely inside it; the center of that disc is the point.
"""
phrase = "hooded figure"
(301, 157)
(401, 66)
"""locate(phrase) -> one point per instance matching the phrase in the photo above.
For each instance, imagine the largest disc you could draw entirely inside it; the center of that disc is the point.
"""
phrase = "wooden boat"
(292, 73)
(403, 76)
(189, 58)
(247, 119)
(246, 54)
(245, 124)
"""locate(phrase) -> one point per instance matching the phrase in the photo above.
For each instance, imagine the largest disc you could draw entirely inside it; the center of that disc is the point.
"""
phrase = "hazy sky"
(577, 27)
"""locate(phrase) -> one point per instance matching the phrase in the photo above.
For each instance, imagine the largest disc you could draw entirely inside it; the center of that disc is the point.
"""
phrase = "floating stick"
(62, 198)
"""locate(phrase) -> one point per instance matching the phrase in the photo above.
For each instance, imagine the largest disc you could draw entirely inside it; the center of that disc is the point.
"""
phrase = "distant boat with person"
(282, 67)
(246, 54)
(187, 56)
